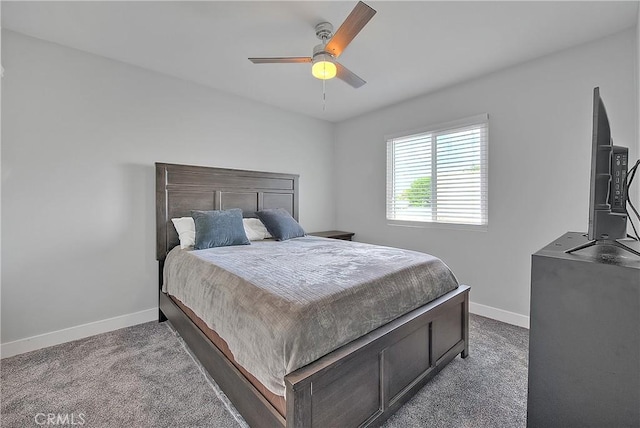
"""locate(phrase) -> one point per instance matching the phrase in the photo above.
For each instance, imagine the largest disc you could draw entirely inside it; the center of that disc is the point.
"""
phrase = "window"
(439, 175)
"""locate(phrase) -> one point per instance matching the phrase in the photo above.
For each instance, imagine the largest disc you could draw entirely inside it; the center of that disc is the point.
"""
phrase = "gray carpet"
(143, 376)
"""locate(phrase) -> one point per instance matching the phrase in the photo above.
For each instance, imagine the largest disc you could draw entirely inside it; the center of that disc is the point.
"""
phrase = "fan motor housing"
(320, 50)
(324, 31)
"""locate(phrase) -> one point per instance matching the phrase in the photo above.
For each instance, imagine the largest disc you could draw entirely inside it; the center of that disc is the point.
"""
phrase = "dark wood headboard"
(182, 188)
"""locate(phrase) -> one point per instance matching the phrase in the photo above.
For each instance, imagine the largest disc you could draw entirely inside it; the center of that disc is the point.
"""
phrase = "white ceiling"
(407, 49)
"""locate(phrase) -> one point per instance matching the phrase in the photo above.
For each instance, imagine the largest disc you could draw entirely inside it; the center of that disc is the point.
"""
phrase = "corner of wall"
(334, 180)
(637, 115)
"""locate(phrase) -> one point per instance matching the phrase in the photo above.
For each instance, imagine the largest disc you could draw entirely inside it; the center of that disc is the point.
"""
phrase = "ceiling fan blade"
(357, 19)
(348, 76)
(280, 60)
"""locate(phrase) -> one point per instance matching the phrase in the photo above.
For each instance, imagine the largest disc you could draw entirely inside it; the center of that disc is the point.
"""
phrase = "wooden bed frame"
(359, 384)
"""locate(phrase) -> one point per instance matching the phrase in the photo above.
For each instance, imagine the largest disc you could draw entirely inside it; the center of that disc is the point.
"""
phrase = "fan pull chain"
(324, 95)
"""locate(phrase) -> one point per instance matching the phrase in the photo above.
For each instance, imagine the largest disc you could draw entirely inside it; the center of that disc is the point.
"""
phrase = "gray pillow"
(219, 228)
(280, 224)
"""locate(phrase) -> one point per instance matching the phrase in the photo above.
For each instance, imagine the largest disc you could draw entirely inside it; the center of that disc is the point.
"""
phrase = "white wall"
(539, 163)
(80, 137)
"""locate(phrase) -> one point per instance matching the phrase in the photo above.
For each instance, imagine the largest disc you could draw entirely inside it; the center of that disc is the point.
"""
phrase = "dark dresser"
(584, 337)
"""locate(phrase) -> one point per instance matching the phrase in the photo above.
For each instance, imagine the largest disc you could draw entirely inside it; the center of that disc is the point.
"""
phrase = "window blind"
(440, 175)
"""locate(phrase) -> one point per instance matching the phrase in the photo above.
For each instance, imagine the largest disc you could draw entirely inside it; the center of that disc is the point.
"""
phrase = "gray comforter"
(282, 305)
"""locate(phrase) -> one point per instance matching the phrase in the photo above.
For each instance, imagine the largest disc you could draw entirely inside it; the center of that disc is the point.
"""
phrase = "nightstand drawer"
(335, 234)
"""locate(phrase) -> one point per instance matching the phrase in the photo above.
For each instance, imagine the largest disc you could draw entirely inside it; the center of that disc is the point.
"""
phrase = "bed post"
(161, 316)
(161, 237)
(465, 326)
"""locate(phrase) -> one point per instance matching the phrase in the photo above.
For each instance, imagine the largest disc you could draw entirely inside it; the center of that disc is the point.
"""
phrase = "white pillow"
(186, 228)
(255, 229)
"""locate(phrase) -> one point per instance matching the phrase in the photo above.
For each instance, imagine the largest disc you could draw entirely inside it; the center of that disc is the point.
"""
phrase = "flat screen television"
(608, 191)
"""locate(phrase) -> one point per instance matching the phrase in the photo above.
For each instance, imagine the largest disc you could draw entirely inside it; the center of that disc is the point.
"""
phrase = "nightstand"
(335, 234)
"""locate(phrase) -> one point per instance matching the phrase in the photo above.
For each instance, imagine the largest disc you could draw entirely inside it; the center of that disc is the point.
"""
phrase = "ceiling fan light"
(324, 70)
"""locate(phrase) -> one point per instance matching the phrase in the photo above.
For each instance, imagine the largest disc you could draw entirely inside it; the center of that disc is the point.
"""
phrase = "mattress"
(281, 305)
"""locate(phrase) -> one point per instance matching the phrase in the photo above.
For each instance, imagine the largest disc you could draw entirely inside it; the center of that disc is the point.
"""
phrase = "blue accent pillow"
(219, 228)
(280, 224)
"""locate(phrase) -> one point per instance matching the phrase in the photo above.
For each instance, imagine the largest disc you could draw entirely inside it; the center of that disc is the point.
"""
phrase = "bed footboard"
(364, 382)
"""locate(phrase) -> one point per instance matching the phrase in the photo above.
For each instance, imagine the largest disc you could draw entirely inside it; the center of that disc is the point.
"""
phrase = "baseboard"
(21, 346)
(499, 314)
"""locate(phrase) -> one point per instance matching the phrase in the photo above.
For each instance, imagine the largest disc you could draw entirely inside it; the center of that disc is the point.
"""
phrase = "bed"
(362, 382)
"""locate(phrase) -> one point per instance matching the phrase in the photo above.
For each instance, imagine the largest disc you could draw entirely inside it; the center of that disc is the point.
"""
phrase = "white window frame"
(434, 131)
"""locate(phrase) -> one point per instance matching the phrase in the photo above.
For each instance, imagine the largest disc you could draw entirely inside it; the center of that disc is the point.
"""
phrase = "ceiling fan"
(324, 64)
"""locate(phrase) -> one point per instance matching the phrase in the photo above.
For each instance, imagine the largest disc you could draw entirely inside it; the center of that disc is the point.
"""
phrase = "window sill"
(437, 225)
